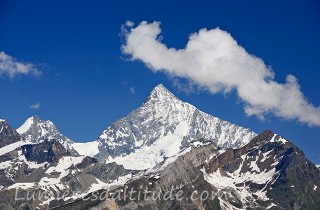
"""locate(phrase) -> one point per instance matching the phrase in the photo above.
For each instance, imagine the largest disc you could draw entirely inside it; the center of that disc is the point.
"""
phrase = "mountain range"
(165, 145)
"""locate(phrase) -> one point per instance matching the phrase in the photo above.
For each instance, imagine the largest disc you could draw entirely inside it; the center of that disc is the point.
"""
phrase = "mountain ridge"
(157, 129)
(163, 143)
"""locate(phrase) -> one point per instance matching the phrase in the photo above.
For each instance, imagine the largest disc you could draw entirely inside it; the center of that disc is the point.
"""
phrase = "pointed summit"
(35, 121)
(160, 92)
(35, 118)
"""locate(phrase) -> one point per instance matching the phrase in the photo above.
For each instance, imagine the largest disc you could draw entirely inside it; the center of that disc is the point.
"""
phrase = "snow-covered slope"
(87, 148)
(36, 130)
(160, 128)
(9, 148)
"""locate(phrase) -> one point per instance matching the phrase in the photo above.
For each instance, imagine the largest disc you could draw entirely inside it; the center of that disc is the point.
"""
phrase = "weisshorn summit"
(166, 154)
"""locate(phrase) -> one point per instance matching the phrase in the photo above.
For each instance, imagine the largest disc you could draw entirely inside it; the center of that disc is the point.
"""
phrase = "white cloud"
(213, 60)
(129, 23)
(11, 67)
(132, 90)
(35, 106)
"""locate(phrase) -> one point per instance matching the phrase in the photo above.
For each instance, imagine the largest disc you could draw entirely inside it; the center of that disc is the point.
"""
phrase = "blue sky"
(86, 80)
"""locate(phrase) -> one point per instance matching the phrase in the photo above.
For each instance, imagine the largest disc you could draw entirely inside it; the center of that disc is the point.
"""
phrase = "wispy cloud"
(132, 90)
(35, 106)
(129, 23)
(10, 67)
(213, 60)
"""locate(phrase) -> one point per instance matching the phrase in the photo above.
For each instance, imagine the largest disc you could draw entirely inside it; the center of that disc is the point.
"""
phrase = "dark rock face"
(294, 184)
(47, 151)
(87, 161)
(233, 154)
(8, 135)
(107, 172)
(298, 184)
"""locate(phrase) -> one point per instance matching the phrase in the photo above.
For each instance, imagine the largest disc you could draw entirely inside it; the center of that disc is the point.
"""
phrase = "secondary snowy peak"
(160, 128)
(36, 130)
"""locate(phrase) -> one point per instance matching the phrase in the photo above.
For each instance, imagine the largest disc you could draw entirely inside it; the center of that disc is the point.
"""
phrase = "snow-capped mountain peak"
(160, 128)
(40, 129)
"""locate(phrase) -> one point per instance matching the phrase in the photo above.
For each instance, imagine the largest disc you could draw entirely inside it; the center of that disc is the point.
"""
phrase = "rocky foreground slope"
(267, 173)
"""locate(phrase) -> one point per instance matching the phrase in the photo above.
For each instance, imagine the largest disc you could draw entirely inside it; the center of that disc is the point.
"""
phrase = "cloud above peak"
(35, 106)
(213, 60)
(10, 67)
